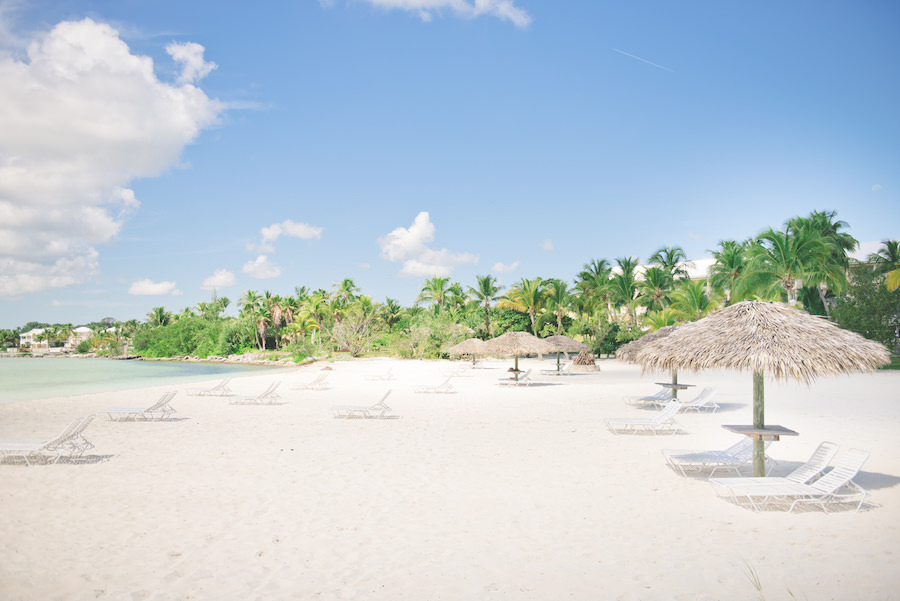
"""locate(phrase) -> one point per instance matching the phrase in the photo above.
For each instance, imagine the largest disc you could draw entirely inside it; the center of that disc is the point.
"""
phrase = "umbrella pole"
(557, 360)
(759, 421)
(516, 368)
(675, 381)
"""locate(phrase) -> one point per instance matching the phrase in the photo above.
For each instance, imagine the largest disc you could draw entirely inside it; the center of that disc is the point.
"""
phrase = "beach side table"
(674, 387)
(769, 433)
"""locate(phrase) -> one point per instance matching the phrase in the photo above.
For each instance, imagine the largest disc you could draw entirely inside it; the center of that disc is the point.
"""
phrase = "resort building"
(79, 335)
(30, 340)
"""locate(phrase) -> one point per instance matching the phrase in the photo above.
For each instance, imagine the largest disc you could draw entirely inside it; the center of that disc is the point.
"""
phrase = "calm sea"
(25, 379)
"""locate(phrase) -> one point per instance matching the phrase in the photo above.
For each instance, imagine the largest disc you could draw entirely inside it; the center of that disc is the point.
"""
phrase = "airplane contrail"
(644, 60)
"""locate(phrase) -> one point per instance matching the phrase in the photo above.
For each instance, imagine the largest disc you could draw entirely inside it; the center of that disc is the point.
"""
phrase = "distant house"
(79, 335)
(30, 340)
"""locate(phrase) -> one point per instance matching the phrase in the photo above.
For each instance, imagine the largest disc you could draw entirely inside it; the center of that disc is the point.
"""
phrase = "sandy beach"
(488, 493)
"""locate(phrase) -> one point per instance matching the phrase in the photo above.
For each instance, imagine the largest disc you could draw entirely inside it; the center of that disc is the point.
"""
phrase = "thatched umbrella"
(765, 338)
(628, 352)
(517, 343)
(470, 346)
(564, 344)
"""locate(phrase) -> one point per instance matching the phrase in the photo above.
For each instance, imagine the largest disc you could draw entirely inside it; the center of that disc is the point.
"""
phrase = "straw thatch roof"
(564, 344)
(627, 352)
(517, 343)
(471, 346)
(764, 337)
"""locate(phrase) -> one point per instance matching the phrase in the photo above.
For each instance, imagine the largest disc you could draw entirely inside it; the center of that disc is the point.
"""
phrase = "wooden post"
(759, 421)
(675, 381)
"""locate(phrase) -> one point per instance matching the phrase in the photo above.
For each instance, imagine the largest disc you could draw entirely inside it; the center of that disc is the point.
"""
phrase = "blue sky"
(153, 151)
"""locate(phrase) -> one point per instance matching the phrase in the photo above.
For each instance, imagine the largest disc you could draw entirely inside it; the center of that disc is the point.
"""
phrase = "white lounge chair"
(379, 410)
(266, 397)
(220, 389)
(823, 492)
(523, 380)
(697, 462)
(155, 412)
(703, 401)
(804, 474)
(662, 422)
(565, 370)
(70, 442)
(385, 376)
(661, 397)
(318, 384)
(444, 387)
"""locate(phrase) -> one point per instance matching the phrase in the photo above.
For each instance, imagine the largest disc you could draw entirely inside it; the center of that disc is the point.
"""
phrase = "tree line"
(804, 263)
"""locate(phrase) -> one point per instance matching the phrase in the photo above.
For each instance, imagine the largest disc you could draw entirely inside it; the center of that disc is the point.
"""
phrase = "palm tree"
(391, 312)
(780, 261)
(623, 285)
(831, 279)
(887, 260)
(248, 302)
(655, 287)
(276, 310)
(318, 308)
(592, 283)
(262, 318)
(456, 297)
(690, 301)
(434, 292)
(559, 301)
(158, 317)
(486, 292)
(726, 272)
(672, 259)
(528, 296)
(660, 319)
(344, 292)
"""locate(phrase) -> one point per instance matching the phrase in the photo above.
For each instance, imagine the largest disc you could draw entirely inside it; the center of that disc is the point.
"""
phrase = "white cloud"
(147, 287)
(505, 10)
(500, 268)
(190, 55)
(411, 247)
(222, 278)
(261, 268)
(79, 120)
(287, 227)
(547, 244)
(876, 187)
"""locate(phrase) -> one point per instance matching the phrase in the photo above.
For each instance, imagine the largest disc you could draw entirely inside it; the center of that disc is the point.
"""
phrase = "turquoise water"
(25, 379)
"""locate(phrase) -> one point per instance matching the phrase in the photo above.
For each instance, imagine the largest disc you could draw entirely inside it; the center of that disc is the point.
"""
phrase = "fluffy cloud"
(500, 268)
(262, 268)
(149, 288)
(270, 234)
(547, 244)
(505, 10)
(411, 246)
(190, 55)
(79, 120)
(222, 278)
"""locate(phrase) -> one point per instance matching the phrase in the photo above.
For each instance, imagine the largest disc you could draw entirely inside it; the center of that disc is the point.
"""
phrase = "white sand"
(491, 493)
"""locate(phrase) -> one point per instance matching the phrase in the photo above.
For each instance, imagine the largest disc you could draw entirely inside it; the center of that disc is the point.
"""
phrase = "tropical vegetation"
(606, 304)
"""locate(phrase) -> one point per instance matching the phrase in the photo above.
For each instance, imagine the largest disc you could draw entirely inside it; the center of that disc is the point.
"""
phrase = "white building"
(79, 335)
(30, 340)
